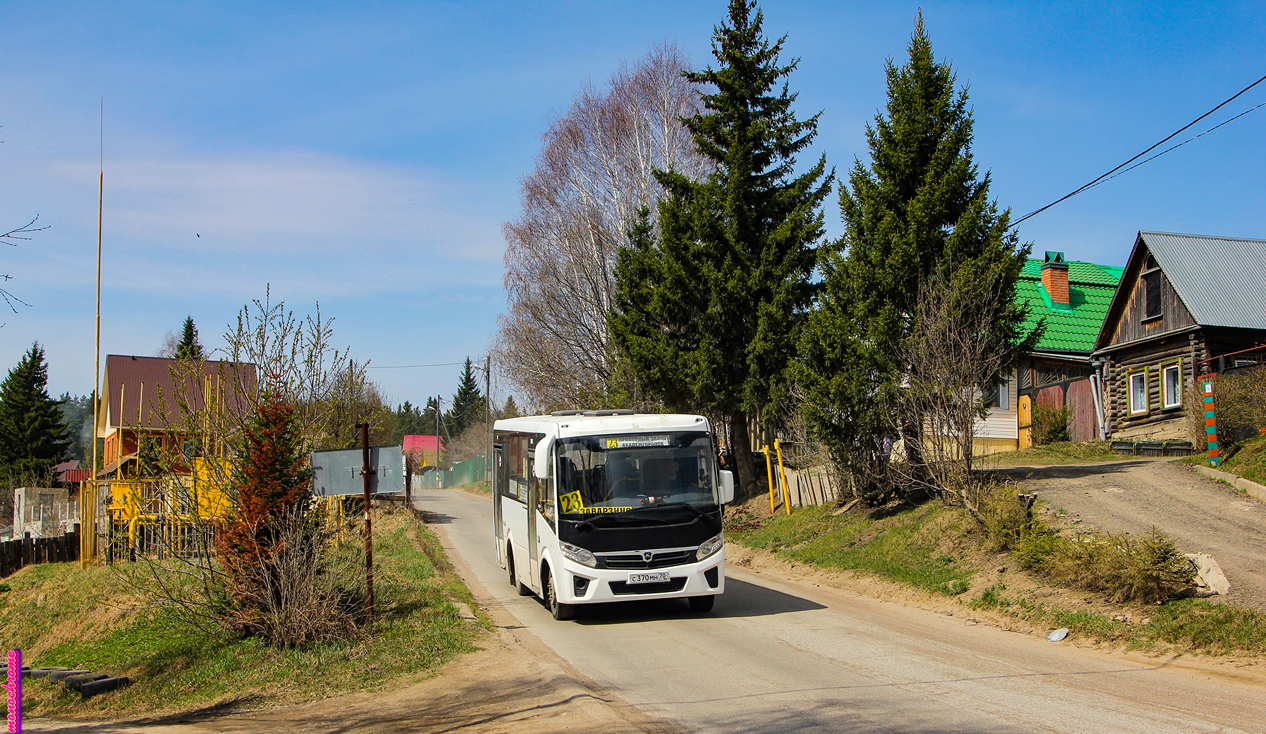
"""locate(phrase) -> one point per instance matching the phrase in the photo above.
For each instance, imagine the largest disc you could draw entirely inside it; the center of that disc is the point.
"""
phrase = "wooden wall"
(1131, 325)
(1159, 422)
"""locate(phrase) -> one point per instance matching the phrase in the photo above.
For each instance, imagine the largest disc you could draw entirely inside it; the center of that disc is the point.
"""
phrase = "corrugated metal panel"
(125, 375)
(1221, 280)
(338, 472)
(1091, 289)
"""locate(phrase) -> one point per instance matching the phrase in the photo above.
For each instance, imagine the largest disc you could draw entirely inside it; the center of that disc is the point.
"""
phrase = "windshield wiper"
(613, 520)
(686, 505)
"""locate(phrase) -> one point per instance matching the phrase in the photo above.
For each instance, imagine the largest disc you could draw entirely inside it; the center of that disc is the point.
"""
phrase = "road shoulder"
(514, 681)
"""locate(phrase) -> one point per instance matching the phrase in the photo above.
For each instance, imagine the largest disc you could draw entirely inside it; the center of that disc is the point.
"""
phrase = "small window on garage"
(1138, 392)
(1171, 384)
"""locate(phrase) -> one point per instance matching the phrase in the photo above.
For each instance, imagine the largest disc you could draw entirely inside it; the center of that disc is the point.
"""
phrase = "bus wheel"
(523, 589)
(559, 610)
(702, 603)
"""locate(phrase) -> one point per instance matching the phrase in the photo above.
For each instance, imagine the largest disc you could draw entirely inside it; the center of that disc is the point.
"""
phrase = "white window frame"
(1165, 396)
(1002, 395)
(1135, 409)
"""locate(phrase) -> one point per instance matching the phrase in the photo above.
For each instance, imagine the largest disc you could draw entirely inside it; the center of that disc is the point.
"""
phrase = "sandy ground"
(513, 683)
(1202, 515)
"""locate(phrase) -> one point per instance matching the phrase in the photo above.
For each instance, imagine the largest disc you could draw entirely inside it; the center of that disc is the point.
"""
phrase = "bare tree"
(592, 177)
(956, 353)
(193, 479)
(11, 238)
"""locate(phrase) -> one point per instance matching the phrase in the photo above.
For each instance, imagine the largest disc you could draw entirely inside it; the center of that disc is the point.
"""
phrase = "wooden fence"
(15, 554)
(812, 486)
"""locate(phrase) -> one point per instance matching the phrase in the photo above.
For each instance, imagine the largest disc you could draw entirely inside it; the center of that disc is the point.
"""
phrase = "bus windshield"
(606, 475)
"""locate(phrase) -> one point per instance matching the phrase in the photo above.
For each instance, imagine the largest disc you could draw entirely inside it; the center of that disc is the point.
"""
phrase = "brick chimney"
(1055, 278)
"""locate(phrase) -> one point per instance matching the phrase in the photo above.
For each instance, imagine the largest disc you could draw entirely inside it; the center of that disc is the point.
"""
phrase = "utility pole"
(488, 418)
(367, 473)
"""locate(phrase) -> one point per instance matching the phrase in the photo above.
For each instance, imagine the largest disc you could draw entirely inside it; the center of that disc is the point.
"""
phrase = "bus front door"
(500, 481)
(534, 551)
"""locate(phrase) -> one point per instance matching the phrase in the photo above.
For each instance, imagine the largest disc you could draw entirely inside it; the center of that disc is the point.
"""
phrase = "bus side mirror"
(727, 487)
(543, 461)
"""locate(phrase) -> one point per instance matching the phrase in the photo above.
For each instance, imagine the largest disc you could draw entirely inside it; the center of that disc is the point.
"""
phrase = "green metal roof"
(1090, 291)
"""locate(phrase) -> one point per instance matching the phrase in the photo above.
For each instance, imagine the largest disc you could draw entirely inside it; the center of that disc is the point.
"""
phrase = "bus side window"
(545, 500)
(519, 459)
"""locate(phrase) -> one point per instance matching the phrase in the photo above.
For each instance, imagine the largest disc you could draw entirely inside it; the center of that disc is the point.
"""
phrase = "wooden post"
(1211, 420)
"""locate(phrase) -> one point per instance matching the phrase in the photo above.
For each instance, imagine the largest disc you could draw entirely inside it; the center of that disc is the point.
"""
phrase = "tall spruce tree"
(708, 312)
(32, 433)
(921, 205)
(468, 403)
(189, 348)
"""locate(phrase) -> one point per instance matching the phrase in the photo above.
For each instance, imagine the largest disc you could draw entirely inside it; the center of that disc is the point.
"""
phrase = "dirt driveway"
(1204, 516)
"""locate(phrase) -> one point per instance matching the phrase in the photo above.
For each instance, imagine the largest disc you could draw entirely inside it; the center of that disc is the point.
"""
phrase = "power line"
(411, 366)
(1188, 140)
(1114, 172)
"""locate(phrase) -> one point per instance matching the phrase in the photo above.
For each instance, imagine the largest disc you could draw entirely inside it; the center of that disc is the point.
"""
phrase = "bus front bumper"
(578, 584)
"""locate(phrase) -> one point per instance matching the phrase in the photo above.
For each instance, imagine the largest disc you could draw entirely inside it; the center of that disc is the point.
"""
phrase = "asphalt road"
(778, 656)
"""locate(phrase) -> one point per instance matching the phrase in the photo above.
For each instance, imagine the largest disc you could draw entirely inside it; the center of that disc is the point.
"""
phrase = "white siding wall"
(1003, 423)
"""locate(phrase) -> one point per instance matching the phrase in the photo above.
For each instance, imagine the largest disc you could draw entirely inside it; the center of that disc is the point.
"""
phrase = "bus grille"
(635, 562)
(621, 588)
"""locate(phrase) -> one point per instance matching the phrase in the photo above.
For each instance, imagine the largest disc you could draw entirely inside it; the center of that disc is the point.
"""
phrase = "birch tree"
(593, 175)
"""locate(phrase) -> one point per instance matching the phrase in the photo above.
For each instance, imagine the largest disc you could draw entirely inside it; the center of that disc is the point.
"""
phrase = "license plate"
(657, 577)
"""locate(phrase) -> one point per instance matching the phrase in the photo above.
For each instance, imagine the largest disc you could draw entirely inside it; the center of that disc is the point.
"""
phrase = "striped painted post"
(1210, 420)
(15, 692)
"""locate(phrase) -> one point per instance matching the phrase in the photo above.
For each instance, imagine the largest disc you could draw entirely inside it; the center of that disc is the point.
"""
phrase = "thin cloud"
(292, 201)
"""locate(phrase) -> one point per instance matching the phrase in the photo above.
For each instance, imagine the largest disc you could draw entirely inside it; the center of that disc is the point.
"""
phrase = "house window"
(998, 396)
(1138, 392)
(1152, 286)
(1172, 382)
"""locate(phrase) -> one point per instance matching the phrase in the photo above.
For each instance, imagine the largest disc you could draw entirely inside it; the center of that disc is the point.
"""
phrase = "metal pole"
(367, 472)
(769, 471)
(488, 419)
(88, 490)
(786, 496)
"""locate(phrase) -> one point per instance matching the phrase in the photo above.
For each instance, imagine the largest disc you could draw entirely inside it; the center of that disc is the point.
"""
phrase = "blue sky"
(364, 155)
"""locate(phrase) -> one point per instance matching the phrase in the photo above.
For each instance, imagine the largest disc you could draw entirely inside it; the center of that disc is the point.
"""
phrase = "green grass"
(1188, 624)
(1063, 452)
(477, 487)
(904, 547)
(929, 546)
(1210, 628)
(1249, 461)
(59, 613)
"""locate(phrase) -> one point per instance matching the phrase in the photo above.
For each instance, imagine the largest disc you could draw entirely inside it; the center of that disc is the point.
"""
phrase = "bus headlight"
(710, 546)
(578, 554)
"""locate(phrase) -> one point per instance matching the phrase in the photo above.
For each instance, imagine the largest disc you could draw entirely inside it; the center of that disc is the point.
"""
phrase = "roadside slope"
(1202, 515)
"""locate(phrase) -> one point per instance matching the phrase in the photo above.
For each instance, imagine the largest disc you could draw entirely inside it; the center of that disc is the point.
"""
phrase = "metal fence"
(463, 472)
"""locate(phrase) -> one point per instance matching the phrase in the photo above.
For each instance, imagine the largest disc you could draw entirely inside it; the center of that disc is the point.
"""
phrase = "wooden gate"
(1025, 421)
(1081, 403)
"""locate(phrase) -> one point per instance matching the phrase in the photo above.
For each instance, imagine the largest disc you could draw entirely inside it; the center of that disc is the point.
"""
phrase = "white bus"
(602, 506)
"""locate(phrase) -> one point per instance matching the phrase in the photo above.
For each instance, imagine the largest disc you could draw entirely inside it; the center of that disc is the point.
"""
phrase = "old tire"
(560, 611)
(702, 603)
